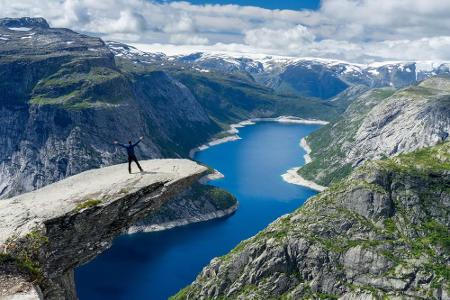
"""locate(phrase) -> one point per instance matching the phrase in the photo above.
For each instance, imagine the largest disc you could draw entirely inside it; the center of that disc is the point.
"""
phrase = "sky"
(351, 30)
(281, 4)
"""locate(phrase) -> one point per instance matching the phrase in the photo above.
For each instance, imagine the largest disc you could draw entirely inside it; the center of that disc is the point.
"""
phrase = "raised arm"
(140, 139)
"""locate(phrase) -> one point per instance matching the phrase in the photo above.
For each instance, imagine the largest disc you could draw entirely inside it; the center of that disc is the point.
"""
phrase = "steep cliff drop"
(45, 234)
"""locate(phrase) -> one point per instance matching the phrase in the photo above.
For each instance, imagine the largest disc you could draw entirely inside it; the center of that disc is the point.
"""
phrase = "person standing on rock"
(130, 151)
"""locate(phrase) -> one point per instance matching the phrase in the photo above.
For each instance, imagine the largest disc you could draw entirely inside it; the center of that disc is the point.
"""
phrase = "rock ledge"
(45, 234)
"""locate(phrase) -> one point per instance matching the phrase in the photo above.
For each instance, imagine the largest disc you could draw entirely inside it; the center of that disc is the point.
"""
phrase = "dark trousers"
(133, 158)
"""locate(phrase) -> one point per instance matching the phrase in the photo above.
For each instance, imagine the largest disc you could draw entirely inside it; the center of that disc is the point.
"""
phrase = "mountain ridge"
(380, 123)
(380, 233)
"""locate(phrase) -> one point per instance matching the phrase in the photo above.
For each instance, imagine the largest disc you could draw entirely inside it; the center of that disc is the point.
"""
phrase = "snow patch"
(20, 28)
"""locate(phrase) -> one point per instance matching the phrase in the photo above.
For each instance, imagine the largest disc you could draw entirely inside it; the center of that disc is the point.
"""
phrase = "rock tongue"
(24, 22)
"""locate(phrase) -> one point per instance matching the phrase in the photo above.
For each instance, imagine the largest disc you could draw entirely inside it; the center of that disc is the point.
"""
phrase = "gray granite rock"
(46, 233)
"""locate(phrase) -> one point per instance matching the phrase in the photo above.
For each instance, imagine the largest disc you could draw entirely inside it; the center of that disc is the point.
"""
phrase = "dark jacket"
(130, 147)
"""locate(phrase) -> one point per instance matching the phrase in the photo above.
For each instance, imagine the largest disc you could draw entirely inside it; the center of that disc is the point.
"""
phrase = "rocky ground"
(383, 232)
(46, 233)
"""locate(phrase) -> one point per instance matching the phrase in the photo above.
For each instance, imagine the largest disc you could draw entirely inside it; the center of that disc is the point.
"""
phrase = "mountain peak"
(24, 22)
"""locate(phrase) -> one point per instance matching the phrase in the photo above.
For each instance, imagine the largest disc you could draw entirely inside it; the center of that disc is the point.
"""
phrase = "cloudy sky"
(353, 30)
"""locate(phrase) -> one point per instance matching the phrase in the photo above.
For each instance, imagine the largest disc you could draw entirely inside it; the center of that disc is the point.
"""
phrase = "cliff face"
(380, 123)
(45, 234)
(64, 100)
(381, 232)
(197, 203)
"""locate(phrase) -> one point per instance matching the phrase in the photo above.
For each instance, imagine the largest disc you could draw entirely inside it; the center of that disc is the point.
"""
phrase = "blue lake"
(156, 265)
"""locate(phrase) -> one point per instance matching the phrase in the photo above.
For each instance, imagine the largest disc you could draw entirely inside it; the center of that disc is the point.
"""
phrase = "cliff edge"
(46, 233)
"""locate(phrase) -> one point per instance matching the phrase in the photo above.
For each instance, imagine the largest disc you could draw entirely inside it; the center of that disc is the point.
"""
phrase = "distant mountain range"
(314, 77)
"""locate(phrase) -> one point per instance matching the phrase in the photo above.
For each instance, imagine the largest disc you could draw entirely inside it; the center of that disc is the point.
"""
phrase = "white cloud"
(128, 21)
(188, 39)
(345, 29)
(181, 23)
(289, 38)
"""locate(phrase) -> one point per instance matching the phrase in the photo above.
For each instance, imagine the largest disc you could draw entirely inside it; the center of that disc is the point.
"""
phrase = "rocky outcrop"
(45, 234)
(198, 203)
(382, 233)
(380, 124)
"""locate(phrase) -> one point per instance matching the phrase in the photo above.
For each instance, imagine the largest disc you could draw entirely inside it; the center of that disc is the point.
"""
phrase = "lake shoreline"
(232, 133)
(291, 176)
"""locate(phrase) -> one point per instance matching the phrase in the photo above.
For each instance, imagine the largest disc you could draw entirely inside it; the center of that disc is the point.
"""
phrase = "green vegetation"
(421, 162)
(441, 82)
(242, 97)
(36, 239)
(24, 253)
(437, 234)
(221, 198)
(390, 227)
(24, 264)
(182, 294)
(76, 87)
(327, 143)
(86, 204)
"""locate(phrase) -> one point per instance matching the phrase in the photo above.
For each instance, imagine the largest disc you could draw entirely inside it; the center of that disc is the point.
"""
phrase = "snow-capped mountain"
(323, 78)
(314, 77)
(134, 54)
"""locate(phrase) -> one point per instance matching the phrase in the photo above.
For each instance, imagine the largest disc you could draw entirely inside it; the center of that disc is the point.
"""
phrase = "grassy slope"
(82, 84)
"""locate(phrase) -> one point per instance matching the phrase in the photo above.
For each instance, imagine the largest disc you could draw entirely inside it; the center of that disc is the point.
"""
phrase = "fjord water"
(156, 265)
